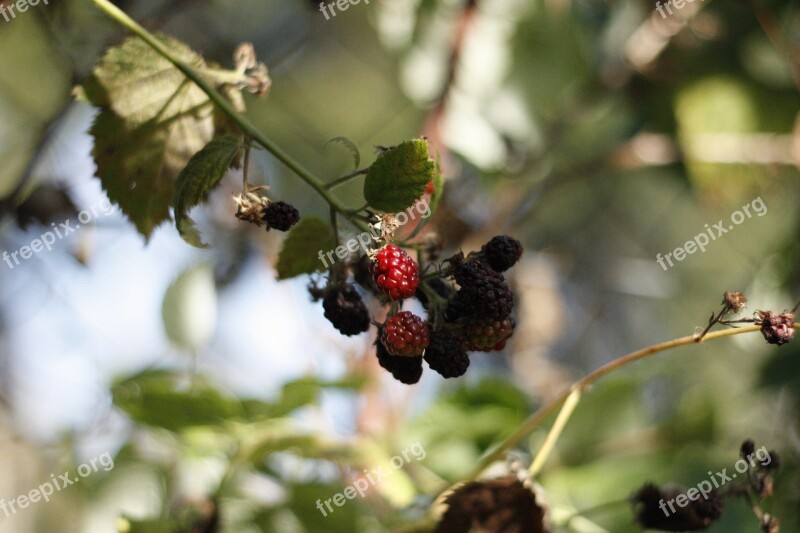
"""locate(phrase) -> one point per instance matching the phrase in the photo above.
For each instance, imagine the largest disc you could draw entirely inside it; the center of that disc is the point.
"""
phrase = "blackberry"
(502, 252)
(486, 334)
(483, 291)
(395, 273)
(280, 216)
(406, 370)
(445, 355)
(405, 334)
(345, 310)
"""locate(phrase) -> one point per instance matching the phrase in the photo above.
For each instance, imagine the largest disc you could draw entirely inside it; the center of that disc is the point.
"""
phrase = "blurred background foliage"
(597, 132)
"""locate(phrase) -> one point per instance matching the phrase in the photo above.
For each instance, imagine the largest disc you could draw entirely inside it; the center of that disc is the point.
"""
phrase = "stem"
(539, 416)
(558, 426)
(245, 125)
(245, 167)
(344, 179)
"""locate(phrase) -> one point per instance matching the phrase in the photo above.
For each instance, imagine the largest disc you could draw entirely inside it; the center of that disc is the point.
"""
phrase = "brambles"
(468, 306)
(502, 252)
(280, 216)
(487, 334)
(406, 370)
(405, 334)
(445, 354)
(394, 272)
(345, 310)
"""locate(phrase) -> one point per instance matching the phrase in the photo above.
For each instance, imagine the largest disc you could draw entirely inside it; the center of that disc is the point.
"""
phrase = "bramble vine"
(468, 302)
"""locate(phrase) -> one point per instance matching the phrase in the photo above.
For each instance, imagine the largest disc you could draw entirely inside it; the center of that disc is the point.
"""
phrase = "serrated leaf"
(300, 252)
(438, 188)
(202, 173)
(398, 176)
(350, 145)
(151, 121)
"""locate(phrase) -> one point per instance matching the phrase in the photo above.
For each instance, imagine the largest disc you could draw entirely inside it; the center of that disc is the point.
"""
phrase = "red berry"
(487, 335)
(394, 272)
(405, 334)
(430, 187)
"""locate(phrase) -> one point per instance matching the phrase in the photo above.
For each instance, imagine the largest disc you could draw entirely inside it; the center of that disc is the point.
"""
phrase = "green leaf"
(300, 252)
(398, 176)
(203, 172)
(350, 145)
(156, 398)
(151, 121)
(438, 188)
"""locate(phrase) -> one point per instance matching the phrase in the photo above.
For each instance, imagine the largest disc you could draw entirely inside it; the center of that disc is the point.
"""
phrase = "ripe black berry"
(345, 310)
(502, 252)
(280, 216)
(406, 370)
(445, 355)
(483, 291)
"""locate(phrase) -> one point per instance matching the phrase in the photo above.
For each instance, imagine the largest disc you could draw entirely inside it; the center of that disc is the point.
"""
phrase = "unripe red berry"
(394, 272)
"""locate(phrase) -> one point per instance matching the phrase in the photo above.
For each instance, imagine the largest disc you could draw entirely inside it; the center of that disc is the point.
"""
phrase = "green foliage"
(351, 146)
(202, 174)
(189, 308)
(300, 252)
(152, 120)
(399, 175)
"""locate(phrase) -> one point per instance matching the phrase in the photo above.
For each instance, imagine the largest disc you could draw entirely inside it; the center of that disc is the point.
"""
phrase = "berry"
(345, 310)
(487, 335)
(280, 216)
(406, 370)
(405, 334)
(696, 515)
(445, 355)
(502, 252)
(394, 272)
(483, 291)
(777, 328)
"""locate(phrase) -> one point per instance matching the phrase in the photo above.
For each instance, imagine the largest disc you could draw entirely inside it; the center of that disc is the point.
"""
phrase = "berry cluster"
(467, 300)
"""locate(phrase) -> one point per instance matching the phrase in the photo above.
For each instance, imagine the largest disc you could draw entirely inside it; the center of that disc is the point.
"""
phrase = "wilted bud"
(735, 300)
(776, 328)
(748, 447)
(770, 525)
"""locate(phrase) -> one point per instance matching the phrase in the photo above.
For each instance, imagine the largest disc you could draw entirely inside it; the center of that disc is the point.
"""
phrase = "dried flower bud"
(776, 328)
(735, 300)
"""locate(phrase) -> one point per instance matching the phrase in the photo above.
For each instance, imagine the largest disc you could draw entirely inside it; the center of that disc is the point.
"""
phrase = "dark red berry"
(483, 291)
(777, 328)
(345, 310)
(446, 355)
(394, 272)
(502, 252)
(280, 216)
(406, 370)
(405, 334)
(653, 513)
(486, 334)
